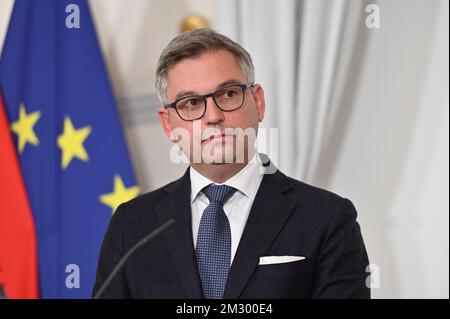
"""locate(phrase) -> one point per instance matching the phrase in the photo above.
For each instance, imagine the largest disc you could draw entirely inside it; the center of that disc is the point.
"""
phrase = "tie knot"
(218, 193)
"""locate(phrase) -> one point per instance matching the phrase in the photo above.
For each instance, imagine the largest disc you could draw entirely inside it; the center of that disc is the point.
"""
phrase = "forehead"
(204, 73)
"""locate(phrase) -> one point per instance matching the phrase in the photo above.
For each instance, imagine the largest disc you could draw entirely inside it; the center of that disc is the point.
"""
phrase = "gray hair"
(193, 44)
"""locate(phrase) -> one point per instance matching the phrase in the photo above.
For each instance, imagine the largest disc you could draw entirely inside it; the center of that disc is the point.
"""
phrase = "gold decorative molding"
(193, 21)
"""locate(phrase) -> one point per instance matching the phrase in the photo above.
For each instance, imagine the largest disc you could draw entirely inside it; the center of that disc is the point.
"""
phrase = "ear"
(258, 93)
(164, 119)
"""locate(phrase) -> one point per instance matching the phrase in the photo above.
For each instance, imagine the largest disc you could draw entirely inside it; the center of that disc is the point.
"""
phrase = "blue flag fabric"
(69, 139)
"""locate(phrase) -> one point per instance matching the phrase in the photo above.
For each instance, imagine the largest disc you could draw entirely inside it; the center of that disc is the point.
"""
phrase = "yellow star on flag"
(120, 195)
(24, 127)
(71, 143)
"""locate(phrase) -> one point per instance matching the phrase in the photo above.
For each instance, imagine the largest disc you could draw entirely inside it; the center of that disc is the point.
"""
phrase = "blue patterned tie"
(214, 242)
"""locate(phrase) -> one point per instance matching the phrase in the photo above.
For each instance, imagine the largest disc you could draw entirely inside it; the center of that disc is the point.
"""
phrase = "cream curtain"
(303, 52)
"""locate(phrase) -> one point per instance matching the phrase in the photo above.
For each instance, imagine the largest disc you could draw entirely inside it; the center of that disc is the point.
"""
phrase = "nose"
(213, 114)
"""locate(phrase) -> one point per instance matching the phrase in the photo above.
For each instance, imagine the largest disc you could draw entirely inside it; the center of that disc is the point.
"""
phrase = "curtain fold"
(302, 51)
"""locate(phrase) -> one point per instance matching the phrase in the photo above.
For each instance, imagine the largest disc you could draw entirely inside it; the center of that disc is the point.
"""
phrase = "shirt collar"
(247, 180)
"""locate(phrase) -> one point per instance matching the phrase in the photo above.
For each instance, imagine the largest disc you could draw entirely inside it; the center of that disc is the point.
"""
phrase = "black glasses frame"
(213, 94)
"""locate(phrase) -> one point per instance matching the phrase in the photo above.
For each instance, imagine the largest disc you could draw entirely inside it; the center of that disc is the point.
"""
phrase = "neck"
(220, 173)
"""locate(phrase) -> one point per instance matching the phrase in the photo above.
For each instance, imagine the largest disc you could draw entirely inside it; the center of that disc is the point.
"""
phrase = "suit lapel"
(269, 212)
(178, 237)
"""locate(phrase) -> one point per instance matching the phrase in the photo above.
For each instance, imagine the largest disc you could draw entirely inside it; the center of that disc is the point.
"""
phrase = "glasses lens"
(190, 108)
(230, 98)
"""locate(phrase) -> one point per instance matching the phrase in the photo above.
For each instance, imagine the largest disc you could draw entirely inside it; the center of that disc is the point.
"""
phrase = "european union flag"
(69, 139)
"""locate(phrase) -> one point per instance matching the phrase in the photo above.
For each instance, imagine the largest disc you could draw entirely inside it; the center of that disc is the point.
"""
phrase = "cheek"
(247, 117)
(177, 123)
(180, 129)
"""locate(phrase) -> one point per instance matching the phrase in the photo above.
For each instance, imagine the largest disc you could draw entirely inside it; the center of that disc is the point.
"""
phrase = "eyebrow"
(221, 85)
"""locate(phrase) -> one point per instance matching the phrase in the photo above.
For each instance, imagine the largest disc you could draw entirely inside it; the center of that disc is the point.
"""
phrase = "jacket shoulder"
(318, 200)
(143, 205)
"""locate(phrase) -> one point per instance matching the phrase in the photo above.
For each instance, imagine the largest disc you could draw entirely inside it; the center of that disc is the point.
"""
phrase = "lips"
(214, 137)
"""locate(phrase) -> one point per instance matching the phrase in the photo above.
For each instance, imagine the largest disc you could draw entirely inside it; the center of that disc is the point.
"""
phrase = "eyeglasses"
(228, 98)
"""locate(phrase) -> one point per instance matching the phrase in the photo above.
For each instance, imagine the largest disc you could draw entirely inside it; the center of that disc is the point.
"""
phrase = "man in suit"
(242, 228)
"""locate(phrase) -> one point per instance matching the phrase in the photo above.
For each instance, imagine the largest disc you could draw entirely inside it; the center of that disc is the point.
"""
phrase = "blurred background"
(357, 89)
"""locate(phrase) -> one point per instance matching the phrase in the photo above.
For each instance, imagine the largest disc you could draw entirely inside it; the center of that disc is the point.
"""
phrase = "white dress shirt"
(237, 207)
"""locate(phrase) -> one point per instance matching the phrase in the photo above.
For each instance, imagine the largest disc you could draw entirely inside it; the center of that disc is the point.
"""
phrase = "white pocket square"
(268, 260)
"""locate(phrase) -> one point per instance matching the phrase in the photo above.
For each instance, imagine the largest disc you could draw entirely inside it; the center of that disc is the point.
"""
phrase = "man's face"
(202, 75)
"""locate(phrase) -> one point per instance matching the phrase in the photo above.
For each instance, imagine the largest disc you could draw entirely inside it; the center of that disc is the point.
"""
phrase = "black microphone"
(124, 259)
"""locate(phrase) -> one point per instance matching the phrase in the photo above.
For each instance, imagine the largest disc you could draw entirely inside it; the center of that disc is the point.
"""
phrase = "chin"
(218, 156)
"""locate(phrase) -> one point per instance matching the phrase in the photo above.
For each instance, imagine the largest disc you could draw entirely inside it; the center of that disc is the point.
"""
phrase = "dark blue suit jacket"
(288, 217)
